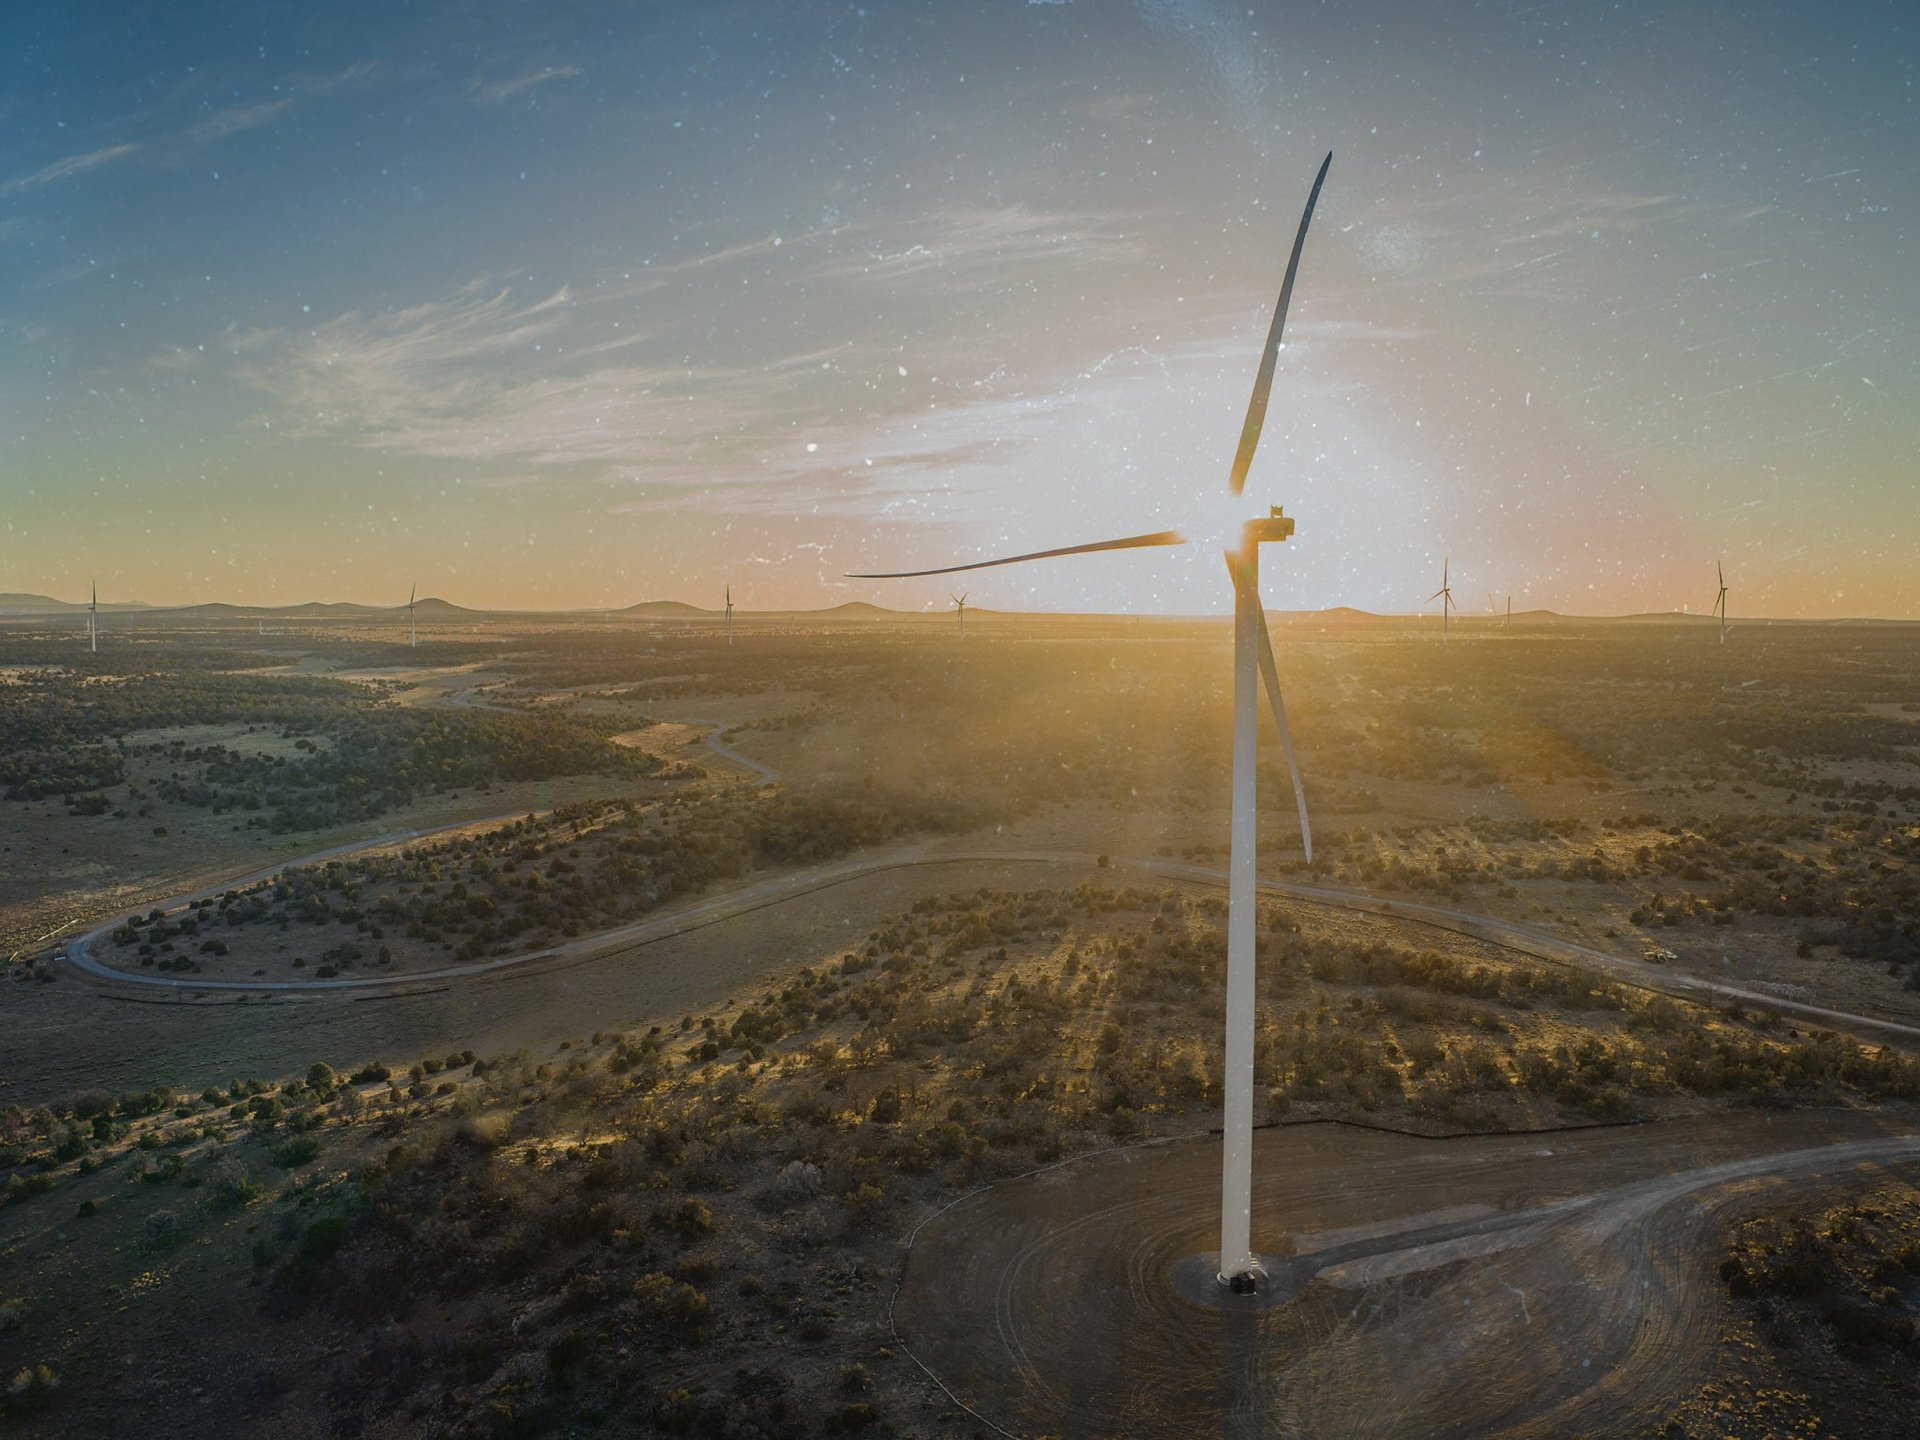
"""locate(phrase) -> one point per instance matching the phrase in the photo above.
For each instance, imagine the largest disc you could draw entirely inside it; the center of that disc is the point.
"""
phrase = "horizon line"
(62, 608)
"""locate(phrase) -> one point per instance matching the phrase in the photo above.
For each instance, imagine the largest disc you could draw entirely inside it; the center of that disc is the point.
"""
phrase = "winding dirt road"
(766, 773)
(756, 894)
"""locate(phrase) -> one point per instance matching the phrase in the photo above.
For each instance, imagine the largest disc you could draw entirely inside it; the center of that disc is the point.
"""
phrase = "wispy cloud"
(626, 378)
(978, 244)
(491, 376)
(175, 143)
(223, 123)
(73, 165)
(493, 92)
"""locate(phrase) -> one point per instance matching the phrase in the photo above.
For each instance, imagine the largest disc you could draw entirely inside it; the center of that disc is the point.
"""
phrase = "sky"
(589, 304)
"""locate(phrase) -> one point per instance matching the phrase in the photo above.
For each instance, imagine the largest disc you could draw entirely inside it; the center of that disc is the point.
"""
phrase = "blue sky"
(583, 305)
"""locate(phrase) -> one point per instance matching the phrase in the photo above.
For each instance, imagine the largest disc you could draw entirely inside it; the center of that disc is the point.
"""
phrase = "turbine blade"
(1263, 382)
(1127, 542)
(1434, 596)
(1270, 675)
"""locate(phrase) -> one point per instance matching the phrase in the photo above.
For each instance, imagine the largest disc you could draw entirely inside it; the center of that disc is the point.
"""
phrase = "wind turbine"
(1445, 596)
(1239, 1267)
(413, 630)
(729, 614)
(1720, 601)
(960, 606)
(93, 620)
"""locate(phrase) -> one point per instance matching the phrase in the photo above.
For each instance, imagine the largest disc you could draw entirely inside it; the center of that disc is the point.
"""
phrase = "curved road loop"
(758, 894)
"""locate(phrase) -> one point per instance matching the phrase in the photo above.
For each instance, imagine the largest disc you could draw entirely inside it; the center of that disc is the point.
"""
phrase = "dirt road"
(755, 894)
(1551, 1284)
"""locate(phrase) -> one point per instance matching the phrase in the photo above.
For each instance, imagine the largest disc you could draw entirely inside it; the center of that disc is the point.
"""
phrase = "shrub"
(676, 1304)
(485, 1132)
(852, 1418)
(25, 1187)
(317, 1246)
(229, 1185)
(292, 1154)
(690, 1220)
(31, 1386)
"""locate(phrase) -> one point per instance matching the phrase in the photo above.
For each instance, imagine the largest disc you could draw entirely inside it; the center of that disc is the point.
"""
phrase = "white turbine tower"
(93, 621)
(413, 630)
(960, 609)
(1445, 596)
(1720, 600)
(1239, 1267)
(729, 614)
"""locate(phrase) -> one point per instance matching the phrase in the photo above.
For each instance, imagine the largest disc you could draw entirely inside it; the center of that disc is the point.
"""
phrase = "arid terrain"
(559, 1028)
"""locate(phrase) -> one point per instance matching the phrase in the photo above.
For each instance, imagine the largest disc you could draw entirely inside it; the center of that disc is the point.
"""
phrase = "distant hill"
(664, 610)
(851, 610)
(1342, 613)
(35, 605)
(18, 604)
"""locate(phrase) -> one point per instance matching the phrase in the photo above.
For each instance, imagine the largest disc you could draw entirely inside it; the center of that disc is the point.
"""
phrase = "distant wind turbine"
(93, 621)
(1445, 596)
(960, 607)
(413, 630)
(1720, 600)
(729, 614)
(1238, 1267)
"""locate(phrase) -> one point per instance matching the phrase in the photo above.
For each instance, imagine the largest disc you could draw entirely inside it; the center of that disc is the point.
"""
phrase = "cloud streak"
(495, 92)
(71, 166)
(180, 142)
(625, 377)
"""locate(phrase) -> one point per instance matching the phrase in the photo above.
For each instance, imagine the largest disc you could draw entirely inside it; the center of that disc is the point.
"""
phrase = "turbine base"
(1273, 1280)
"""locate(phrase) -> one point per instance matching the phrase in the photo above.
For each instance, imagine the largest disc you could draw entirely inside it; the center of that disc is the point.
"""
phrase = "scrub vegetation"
(695, 1227)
